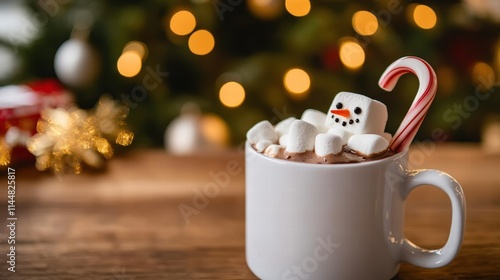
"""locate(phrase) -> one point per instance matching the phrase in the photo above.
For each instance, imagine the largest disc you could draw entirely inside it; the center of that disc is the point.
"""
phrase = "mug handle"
(412, 253)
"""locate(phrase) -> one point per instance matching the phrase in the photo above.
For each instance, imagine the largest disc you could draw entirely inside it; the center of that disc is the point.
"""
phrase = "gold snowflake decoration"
(4, 152)
(68, 138)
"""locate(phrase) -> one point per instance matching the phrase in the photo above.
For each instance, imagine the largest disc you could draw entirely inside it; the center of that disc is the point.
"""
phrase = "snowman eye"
(339, 105)
(357, 110)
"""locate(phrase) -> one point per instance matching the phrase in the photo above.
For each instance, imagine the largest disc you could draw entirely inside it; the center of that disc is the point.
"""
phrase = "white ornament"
(183, 135)
(76, 63)
(194, 132)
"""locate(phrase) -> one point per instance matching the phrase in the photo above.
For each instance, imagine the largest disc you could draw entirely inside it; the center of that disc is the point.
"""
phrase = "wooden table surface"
(126, 223)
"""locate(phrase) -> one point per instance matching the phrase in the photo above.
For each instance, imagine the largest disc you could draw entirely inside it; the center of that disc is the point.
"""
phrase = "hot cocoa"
(352, 131)
(346, 156)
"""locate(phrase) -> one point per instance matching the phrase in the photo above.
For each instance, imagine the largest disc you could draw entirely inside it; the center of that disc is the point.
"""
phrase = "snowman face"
(357, 114)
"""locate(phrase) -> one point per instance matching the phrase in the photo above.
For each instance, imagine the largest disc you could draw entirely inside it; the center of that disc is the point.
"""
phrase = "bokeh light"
(490, 138)
(297, 81)
(365, 23)
(138, 47)
(129, 64)
(232, 94)
(424, 17)
(215, 130)
(298, 8)
(351, 54)
(265, 9)
(497, 60)
(201, 42)
(182, 23)
(447, 80)
(483, 75)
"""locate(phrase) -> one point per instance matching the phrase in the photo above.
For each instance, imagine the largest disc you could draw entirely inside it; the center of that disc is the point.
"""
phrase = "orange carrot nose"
(342, 112)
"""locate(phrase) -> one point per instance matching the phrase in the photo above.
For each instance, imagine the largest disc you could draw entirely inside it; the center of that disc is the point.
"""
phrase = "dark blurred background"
(230, 59)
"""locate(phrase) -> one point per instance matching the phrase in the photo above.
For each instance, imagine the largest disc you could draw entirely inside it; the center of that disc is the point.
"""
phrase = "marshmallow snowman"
(353, 120)
(359, 121)
(357, 114)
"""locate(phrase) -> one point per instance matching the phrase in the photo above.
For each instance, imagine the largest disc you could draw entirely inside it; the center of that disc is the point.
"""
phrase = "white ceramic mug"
(338, 221)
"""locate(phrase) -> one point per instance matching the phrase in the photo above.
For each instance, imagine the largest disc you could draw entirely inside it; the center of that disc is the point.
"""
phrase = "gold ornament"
(68, 138)
(4, 152)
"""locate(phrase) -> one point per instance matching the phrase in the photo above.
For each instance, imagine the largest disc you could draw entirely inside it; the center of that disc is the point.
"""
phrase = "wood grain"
(125, 223)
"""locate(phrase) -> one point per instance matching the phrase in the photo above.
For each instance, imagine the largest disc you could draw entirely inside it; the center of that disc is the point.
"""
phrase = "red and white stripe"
(425, 95)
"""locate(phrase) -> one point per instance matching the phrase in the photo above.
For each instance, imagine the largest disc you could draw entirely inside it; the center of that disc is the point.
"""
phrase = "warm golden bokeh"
(365, 23)
(424, 17)
(298, 8)
(483, 75)
(352, 54)
(215, 130)
(129, 64)
(138, 47)
(297, 81)
(232, 94)
(265, 9)
(201, 42)
(182, 23)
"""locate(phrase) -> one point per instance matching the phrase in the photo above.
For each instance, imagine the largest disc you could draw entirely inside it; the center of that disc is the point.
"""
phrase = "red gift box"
(20, 107)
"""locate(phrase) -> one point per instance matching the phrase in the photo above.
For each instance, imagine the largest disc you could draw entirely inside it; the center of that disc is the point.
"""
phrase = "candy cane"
(425, 94)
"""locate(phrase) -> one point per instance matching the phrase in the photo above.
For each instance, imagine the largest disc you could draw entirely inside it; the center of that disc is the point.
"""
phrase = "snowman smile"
(344, 113)
(344, 123)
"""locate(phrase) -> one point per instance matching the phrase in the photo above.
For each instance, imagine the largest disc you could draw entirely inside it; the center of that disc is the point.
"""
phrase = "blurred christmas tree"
(257, 59)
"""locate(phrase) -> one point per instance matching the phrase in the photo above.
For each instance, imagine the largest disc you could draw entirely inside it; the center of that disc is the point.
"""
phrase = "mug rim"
(248, 146)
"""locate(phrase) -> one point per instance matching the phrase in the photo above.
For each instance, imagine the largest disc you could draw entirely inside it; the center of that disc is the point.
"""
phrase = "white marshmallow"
(262, 145)
(358, 114)
(272, 150)
(262, 131)
(283, 126)
(283, 141)
(315, 118)
(343, 134)
(301, 137)
(387, 136)
(326, 144)
(367, 144)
